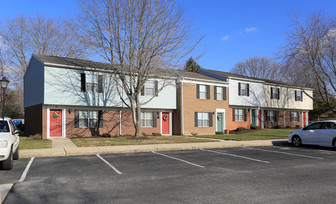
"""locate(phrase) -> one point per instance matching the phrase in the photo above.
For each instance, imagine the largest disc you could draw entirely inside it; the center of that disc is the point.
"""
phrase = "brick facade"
(236, 124)
(191, 105)
(37, 123)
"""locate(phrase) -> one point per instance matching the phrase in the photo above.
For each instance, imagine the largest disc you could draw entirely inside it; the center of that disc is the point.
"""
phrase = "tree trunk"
(138, 121)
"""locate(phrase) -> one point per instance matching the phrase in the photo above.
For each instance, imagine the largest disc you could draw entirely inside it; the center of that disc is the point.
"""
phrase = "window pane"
(83, 114)
(83, 123)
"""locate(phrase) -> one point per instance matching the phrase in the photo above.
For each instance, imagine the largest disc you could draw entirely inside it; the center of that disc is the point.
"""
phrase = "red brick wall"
(111, 125)
(236, 124)
(280, 122)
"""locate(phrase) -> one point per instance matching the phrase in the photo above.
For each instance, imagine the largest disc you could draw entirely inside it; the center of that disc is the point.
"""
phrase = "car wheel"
(8, 163)
(296, 141)
(16, 154)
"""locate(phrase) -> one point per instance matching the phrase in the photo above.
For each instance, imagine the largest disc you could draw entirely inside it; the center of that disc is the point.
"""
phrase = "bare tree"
(259, 67)
(24, 36)
(139, 37)
(311, 48)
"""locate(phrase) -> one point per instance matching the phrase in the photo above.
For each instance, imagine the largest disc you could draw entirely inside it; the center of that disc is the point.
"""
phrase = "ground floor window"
(88, 119)
(203, 119)
(148, 119)
(271, 116)
(294, 116)
(239, 114)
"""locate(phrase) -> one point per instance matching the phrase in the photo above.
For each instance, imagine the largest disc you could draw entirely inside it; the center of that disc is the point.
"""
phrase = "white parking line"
(110, 165)
(24, 174)
(178, 159)
(292, 154)
(233, 155)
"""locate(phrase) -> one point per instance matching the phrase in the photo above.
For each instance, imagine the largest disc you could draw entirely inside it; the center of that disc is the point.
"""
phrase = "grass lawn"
(265, 134)
(101, 141)
(29, 143)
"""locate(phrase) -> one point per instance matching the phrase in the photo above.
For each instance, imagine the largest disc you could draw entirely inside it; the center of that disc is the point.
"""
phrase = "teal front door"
(219, 122)
(253, 117)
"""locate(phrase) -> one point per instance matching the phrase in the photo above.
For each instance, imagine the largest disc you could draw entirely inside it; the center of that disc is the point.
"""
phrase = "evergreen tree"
(191, 66)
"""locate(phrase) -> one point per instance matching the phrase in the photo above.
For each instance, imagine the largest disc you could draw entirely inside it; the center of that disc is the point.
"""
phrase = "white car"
(9, 143)
(318, 133)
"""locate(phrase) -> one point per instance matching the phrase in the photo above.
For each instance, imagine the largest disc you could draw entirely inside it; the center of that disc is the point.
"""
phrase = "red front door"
(165, 123)
(304, 118)
(55, 123)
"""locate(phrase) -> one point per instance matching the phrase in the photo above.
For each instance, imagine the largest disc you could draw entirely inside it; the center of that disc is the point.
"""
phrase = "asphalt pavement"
(259, 174)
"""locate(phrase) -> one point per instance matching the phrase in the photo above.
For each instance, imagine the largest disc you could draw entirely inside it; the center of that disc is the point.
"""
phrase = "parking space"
(246, 174)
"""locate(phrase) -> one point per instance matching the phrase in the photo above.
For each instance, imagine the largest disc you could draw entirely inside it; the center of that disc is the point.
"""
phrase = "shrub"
(240, 129)
(79, 135)
(297, 126)
(287, 126)
(144, 134)
(276, 127)
(156, 134)
(36, 137)
(255, 127)
(219, 133)
(194, 134)
(106, 135)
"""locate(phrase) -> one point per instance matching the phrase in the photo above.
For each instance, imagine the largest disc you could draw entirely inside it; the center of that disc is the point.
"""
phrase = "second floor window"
(298, 96)
(275, 93)
(220, 93)
(91, 82)
(203, 91)
(150, 88)
(243, 89)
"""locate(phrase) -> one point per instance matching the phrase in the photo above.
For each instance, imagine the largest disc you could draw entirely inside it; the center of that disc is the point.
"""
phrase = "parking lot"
(277, 174)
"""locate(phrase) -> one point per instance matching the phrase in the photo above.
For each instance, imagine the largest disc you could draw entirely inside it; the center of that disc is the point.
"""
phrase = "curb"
(76, 151)
(4, 189)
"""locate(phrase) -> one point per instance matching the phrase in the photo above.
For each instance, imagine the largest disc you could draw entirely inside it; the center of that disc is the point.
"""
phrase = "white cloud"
(226, 37)
(251, 29)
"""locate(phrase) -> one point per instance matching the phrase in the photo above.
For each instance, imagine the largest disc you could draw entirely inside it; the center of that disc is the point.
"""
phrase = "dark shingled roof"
(73, 62)
(100, 65)
(254, 78)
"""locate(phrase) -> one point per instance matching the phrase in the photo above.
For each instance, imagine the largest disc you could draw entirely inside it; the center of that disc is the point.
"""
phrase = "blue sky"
(234, 30)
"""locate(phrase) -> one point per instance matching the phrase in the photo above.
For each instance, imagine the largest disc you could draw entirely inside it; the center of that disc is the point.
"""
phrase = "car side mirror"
(17, 131)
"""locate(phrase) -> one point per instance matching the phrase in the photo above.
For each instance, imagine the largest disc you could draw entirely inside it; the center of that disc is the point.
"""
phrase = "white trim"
(161, 122)
(207, 82)
(170, 123)
(262, 119)
(182, 118)
(284, 116)
(257, 117)
(48, 123)
(120, 133)
(64, 123)
(223, 119)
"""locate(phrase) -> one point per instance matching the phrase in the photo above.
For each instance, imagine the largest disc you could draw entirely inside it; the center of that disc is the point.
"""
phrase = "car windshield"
(4, 126)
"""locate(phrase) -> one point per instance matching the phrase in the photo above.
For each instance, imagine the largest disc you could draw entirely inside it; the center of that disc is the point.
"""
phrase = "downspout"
(182, 118)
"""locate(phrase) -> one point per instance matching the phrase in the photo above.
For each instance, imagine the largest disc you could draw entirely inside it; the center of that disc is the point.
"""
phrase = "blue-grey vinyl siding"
(34, 83)
(63, 87)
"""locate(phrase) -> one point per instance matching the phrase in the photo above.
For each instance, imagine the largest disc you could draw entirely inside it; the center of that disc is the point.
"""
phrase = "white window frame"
(149, 89)
(298, 98)
(239, 114)
(275, 93)
(243, 89)
(147, 119)
(270, 116)
(294, 118)
(203, 119)
(89, 117)
(202, 93)
(219, 93)
(92, 82)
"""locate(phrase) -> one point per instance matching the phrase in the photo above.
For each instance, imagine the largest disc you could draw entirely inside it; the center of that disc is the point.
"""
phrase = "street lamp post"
(4, 83)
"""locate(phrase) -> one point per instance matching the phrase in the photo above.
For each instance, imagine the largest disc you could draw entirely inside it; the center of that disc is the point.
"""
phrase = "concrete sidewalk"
(65, 147)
